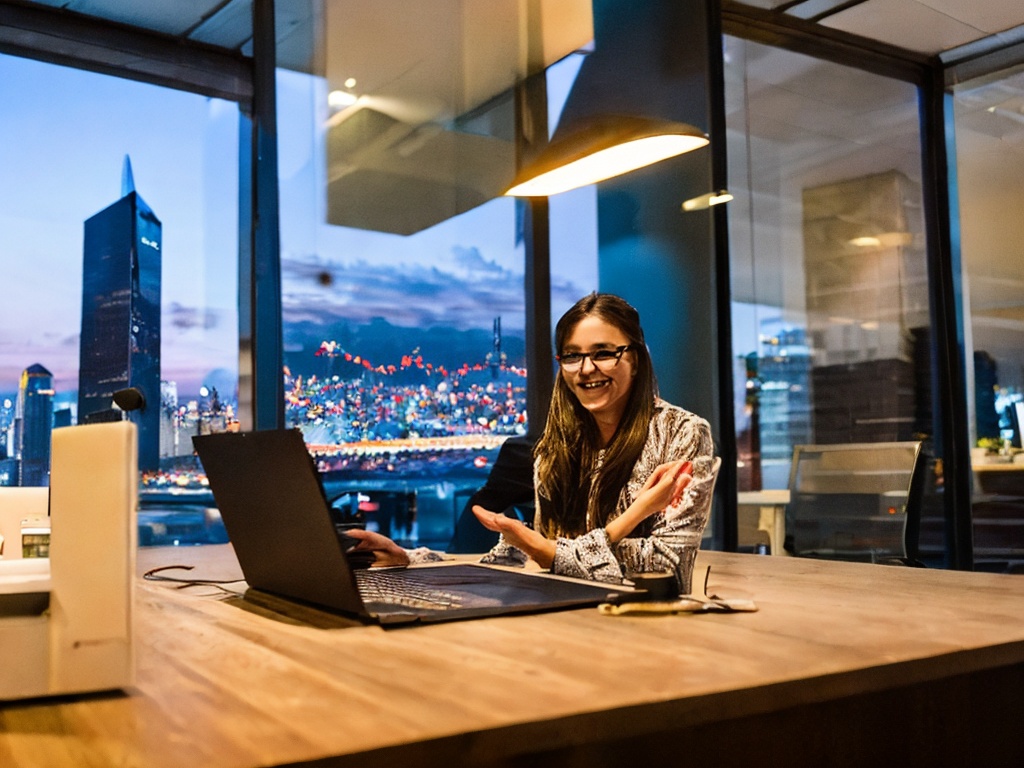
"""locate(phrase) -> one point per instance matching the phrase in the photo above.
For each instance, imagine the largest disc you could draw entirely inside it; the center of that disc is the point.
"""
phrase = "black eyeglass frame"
(569, 359)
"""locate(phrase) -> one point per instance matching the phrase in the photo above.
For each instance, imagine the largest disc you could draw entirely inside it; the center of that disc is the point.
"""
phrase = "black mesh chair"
(860, 501)
(509, 489)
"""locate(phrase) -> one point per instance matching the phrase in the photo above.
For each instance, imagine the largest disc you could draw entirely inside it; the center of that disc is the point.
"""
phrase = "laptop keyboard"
(403, 588)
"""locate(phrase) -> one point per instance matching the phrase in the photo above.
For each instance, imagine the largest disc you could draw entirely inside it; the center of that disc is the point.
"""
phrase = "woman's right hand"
(385, 551)
(518, 534)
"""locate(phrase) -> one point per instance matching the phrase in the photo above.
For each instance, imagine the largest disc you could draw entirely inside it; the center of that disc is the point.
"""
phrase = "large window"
(830, 307)
(105, 176)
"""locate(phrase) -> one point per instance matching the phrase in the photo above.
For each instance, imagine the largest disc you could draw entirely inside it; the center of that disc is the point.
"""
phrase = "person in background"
(622, 478)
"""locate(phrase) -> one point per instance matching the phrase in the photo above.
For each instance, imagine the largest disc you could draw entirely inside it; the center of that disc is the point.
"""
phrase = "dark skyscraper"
(33, 423)
(121, 313)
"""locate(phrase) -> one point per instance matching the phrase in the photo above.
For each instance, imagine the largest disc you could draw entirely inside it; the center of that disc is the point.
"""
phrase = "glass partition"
(829, 281)
(989, 118)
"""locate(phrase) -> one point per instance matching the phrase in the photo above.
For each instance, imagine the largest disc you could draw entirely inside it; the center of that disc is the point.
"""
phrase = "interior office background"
(329, 191)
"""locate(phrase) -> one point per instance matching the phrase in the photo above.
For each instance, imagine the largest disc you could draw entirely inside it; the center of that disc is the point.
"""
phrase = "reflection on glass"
(402, 266)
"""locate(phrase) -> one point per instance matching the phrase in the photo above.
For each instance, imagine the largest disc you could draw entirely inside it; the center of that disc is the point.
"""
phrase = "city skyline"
(63, 140)
(184, 150)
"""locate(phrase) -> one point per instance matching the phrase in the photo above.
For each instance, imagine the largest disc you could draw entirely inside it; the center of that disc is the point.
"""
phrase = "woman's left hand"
(518, 534)
(663, 488)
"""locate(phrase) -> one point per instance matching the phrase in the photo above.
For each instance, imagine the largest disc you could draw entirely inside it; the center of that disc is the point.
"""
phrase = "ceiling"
(930, 27)
(224, 24)
(925, 26)
(392, 47)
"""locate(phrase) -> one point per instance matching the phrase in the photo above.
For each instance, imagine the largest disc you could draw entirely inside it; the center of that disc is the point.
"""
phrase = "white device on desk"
(66, 620)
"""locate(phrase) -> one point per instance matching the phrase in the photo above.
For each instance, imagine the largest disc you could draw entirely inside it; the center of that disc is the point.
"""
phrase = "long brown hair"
(568, 449)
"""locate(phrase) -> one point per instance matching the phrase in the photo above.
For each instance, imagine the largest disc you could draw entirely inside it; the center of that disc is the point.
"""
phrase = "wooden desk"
(844, 664)
(1005, 478)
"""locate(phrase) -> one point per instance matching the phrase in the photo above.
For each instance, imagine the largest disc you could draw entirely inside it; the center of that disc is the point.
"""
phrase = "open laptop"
(277, 516)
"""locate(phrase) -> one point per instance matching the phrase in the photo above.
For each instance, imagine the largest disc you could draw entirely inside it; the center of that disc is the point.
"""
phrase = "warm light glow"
(607, 163)
(866, 242)
(341, 99)
(350, 82)
(883, 240)
(707, 200)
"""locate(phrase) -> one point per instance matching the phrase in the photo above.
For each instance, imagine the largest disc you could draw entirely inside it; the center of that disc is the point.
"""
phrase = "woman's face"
(602, 389)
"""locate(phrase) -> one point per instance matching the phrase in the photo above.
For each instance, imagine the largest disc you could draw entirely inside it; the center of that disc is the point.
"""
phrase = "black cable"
(153, 574)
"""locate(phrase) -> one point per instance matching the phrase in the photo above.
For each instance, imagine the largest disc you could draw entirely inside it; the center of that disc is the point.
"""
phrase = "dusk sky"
(64, 135)
(63, 139)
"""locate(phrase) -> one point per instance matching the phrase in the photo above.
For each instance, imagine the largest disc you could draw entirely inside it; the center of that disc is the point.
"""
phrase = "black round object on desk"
(657, 585)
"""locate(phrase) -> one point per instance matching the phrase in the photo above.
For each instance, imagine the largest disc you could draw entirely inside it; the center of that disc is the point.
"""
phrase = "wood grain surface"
(224, 680)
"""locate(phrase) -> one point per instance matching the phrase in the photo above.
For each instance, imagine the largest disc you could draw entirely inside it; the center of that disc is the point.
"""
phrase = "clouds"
(56, 352)
(193, 341)
(181, 317)
(469, 291)
(471, 260)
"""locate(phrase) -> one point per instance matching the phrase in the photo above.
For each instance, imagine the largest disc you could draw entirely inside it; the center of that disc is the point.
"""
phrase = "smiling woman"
(623, 479)
(602, 378)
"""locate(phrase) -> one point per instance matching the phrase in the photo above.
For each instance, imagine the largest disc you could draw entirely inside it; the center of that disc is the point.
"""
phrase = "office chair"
(716, 465)
(509, 489)
(860, 501)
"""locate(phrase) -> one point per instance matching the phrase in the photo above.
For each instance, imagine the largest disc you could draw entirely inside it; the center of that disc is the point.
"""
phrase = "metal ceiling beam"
(946, 290)
(995, 55)
(70, 39)
(783, 31)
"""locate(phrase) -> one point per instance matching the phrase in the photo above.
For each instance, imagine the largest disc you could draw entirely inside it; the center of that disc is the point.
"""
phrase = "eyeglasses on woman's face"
(603, 359)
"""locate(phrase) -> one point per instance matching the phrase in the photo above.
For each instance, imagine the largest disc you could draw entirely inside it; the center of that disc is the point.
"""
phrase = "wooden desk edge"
(712, 727)
(795, 720)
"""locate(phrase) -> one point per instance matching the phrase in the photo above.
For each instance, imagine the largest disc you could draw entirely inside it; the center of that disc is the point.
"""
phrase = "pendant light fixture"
(601, 147)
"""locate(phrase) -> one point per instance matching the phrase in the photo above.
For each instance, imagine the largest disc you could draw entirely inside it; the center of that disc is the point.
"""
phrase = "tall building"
(169, 419)
(120, 345)
(33, 424)
(8, 464)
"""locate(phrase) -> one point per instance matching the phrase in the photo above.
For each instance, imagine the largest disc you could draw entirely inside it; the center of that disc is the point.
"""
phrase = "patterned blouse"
(666, 541)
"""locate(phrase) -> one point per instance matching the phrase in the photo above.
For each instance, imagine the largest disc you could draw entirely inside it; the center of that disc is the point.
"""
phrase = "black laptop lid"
(277, 517)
